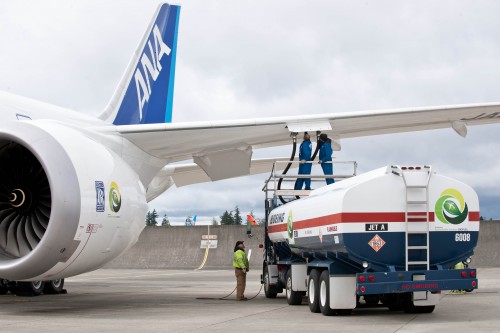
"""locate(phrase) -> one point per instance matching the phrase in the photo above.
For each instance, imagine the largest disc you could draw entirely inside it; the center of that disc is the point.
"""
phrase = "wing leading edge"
(223, 149)
(182, 141)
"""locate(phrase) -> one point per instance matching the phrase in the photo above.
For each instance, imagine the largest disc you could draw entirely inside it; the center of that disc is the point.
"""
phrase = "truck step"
(417, 247)
(417, 263)
(416, 202)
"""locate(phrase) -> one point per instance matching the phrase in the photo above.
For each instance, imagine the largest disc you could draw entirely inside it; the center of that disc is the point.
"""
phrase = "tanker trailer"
(389, 237)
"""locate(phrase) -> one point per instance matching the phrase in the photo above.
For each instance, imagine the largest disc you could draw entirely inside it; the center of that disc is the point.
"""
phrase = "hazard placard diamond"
(376, 243)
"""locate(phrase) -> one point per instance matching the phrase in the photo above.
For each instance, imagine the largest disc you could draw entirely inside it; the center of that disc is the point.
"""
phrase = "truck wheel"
(324, 294)
(409, 307)
(269, 290)
(393, 302)
(53, 286)
(32, 288)
(371, 300)
(292, 297)
(313, 291)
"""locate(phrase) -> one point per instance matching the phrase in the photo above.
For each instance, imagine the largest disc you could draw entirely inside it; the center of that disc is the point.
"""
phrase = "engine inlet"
(25, 200)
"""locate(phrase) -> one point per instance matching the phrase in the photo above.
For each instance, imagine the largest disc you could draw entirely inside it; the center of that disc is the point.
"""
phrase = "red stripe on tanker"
(375, 201)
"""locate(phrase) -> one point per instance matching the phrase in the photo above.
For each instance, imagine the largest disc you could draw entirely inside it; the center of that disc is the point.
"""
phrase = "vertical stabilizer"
(145, 93)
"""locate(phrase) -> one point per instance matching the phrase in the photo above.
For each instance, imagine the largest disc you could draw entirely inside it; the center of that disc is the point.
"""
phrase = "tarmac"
(154, 287)
(147, 300)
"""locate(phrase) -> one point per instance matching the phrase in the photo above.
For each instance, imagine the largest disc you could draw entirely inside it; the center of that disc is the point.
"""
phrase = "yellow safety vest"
(240, 259)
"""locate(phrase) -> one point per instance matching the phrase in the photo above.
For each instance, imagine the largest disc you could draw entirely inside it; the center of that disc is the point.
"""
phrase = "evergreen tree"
(148, 219)
(154, 216)
(226, 218)
(214, 221)
(165, 222)
(237, 216)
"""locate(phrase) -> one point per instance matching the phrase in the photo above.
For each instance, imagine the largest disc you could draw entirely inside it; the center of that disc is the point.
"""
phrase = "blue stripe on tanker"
(445, 250)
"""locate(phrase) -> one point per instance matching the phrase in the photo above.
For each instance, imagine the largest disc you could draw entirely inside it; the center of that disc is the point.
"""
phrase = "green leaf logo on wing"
(451, 207)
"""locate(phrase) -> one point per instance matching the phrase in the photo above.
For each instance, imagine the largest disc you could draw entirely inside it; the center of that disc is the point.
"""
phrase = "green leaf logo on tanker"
(115, 198)
(289, 225)
(451, 207)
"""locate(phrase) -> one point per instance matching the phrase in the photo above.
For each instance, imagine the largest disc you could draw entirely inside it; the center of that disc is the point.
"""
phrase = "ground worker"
(241, 267)
(304, 167)
(325, 157)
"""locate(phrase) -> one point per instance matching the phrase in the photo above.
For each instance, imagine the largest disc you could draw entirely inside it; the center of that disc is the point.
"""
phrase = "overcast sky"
(245, 59)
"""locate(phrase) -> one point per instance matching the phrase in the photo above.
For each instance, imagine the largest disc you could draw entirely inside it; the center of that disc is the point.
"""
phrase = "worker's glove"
(302, 161)
(244, 270)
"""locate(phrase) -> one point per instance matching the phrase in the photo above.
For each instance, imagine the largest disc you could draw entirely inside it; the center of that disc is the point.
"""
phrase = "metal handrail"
(275, 175)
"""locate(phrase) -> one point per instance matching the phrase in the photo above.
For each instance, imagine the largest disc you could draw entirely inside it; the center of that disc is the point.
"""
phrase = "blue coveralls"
(325, 155)
(304, 169)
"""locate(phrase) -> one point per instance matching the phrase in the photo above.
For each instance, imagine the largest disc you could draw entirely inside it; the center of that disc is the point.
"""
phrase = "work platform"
(282, 185)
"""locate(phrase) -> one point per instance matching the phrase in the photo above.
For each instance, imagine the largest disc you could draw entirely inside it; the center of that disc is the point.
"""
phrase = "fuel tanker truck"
(389, 237)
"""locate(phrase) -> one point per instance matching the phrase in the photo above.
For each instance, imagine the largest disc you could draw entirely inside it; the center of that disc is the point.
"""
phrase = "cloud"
(250, 59)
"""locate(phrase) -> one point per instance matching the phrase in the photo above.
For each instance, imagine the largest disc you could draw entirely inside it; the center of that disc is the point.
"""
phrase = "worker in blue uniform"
(325, 156)
(304, 167)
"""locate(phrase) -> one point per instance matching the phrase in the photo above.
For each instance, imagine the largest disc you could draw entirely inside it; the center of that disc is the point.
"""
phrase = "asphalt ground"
(131, 300)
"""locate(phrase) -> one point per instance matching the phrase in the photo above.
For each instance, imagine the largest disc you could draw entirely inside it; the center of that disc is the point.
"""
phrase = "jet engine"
(68, 203)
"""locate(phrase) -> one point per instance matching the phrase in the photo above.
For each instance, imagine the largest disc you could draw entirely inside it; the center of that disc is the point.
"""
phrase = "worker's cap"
(238, 243)
(323, 136)
(305, 133)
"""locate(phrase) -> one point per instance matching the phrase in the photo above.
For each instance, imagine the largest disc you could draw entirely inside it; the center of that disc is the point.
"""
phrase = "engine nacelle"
(68, 203)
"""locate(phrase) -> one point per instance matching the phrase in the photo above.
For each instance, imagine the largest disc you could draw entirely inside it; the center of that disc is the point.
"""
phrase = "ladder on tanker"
(416, 181)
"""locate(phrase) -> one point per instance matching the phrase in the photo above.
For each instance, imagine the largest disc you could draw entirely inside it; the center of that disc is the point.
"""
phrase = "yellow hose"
(204, 260)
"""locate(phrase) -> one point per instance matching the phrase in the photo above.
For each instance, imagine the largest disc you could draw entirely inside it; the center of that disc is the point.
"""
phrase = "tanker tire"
(371, 300)
(324, 294)
(53, 286)
(269, 290)
(418, 309)
(393, 302)
(292, 297)
(409, 307)
(344, 312)
(32, 288)
(313, 291)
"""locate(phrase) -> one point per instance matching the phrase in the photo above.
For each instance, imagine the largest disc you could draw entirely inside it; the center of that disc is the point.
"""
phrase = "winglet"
(145, 93)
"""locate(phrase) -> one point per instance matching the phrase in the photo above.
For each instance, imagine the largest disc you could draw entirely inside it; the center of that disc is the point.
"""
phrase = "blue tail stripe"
(170, 98)
(148, 98)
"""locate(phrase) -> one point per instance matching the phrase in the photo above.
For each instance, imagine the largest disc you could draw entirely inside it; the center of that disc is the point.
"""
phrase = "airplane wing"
(223, 149)
(191, 173)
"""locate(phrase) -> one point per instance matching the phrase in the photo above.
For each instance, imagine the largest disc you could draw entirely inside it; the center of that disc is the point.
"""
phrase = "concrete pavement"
(145, 300)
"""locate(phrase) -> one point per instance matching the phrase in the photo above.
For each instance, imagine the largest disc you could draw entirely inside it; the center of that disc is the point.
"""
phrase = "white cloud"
(250, 59)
